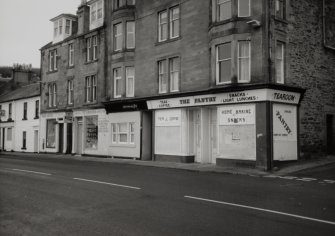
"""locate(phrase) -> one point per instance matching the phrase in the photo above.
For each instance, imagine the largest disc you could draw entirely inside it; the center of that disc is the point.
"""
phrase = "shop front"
(56, 132)
(130, 129)
(246, 127)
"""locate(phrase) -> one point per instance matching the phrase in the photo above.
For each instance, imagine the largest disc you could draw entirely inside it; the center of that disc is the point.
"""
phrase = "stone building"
(247, 82)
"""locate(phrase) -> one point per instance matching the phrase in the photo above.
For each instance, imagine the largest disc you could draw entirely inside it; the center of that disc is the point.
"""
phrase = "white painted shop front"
(222, 126)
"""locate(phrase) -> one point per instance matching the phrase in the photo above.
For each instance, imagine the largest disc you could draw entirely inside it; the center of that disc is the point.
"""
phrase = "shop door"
(60, 138)
(213, 134)
(330, 134)
(197, 135)
(69, 138)
(79, 138)
(35, 140)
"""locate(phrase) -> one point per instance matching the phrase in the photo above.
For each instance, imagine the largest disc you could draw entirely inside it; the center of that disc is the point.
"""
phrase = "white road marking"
(287, 177)
(270, 176)
(262, 209)
(329, 181)
(29, 171)
(112, 184)
(306, 179)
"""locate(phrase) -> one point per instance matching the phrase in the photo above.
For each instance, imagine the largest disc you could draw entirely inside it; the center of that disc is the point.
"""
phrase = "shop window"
(51, 133)
(169, 24)
(168, 75)
(280, 10)
(91, 88)
(130, 81)
(117, 82)
(70, 92)
(9, 134)
(223, 10)
(37, 109)
(24, 140)
(25, 107)
(71, 54)
(91, 132)
(123, 133)
(53, 60)
(92, 48)
(279, 64)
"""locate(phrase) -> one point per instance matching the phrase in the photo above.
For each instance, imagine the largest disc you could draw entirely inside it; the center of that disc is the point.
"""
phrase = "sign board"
(2, 112)
(237, 115)
(284, 122)
(168, 118)
(247, 96)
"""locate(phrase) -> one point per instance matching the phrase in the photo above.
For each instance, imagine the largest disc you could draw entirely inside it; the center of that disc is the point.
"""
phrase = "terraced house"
(229, 82)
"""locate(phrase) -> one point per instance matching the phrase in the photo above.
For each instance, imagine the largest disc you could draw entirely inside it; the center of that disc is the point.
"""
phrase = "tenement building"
(230, 82)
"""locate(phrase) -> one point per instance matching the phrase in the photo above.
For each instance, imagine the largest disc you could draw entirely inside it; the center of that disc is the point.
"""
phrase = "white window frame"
(94, 46)
(71, 54)
(88, 88)
(128, 79)
(280, 80)
(55, 28)
(94, 87)
(117, 79)
(173, 20)
(100, 12)
(50, 97)
(162, 75)
(221, 2)
(130, 34)
(53, 60)
(68, 27)
(88, 49)
(93, 12)
(218, 63)
(118, 37)
(173, 71)
(129, 132)
(161, 26)
(70, 92)
(60, 26)
(54, 94)
(238, 61)
(239, 4)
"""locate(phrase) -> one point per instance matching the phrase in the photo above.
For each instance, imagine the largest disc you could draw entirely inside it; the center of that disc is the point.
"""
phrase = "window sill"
(90, 62)
(284, 21)
(24, 119)
(169, 40)
(70, 67)
(123, 145)
(233, 19)
(51, 72)
(90, 103)
(23, 148)
(123, 51)
(10, 120)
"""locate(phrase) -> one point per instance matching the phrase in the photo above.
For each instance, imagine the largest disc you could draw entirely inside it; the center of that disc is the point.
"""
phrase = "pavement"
(280, 170)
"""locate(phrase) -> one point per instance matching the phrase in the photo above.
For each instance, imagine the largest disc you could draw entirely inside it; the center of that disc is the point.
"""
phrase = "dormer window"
(96, 13)
(63, 25)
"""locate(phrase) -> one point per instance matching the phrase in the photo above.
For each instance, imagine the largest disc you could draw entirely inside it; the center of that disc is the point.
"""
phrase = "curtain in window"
(244, 61)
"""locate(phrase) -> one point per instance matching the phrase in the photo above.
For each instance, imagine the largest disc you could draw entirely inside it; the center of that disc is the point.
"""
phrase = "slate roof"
(27, 91)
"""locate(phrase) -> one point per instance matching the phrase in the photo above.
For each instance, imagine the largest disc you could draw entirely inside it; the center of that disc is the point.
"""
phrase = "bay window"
(117, 82)
(279, 62)
(243, 61)
(223, 10)
(130, 27)
(223, 63)
(118, 37)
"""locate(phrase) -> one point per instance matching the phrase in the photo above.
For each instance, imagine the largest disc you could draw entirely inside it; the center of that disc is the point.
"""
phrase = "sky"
(25, 27)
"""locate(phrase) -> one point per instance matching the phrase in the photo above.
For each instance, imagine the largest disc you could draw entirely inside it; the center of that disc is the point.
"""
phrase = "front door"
(3, 139)
(60, 138)
(197, 134)
(69, 138)
(79, 138)
(35, 140)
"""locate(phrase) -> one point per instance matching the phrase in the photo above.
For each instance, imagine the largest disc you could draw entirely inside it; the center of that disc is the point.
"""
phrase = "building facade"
(19, 121)
(217, 81)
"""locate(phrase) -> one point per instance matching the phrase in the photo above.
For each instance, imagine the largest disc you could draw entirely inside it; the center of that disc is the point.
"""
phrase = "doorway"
(213, 133)
(69, 138)
(79, 138)
(60, 138)
(3, 139)
(197, 134)
(35, 140)
(330, 120)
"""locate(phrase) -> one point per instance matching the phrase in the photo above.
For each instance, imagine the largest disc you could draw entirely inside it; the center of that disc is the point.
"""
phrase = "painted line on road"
(112, 184)
(262, 209)
(29, 171)
(306, 179)
(329, 181)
